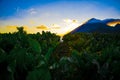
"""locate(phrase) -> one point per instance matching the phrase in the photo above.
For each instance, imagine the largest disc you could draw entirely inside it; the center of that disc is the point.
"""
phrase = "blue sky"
(57, 15)
(9, 7)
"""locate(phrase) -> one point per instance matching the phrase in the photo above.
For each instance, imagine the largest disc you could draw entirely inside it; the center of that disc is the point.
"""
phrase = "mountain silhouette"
(110, 20)
(94, 20)
(96, 25)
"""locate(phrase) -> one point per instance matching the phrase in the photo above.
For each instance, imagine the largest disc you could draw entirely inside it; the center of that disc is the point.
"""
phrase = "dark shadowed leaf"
(48, 54)
(34, 45)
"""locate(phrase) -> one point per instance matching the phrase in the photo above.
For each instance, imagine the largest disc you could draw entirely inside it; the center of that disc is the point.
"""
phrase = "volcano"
(96, 25)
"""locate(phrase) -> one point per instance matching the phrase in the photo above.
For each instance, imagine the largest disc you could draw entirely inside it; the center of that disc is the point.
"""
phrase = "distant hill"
(96, 25)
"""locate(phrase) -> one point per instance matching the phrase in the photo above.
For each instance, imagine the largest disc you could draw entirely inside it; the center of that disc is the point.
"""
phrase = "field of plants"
(81, 56)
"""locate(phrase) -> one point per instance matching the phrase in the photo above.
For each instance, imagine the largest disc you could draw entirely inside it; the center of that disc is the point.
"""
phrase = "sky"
(57, 16)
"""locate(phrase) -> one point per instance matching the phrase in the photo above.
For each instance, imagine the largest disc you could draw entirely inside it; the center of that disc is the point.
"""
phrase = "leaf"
(47, 56)
(19, 55)
(34, 45)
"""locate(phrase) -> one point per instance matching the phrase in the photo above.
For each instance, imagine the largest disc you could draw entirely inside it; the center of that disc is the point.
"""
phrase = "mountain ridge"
(96, 25)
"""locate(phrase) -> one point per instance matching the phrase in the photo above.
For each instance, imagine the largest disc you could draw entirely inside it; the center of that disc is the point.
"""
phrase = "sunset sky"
(57, 16)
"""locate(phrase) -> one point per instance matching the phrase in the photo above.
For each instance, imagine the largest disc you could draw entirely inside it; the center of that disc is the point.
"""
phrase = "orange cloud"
(13, 28)
(42, 27)
(8, 29)
(74, 21)
(113, 23)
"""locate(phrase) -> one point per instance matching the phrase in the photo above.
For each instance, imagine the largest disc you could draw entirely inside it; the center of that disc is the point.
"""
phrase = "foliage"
(81, 56)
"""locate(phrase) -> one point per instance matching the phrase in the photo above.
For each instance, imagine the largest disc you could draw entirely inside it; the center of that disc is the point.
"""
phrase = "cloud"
(32, 11)
(13, 28)
(71, 22)
(75, 21)
(42, 27)
(8, 28)
(113, 23)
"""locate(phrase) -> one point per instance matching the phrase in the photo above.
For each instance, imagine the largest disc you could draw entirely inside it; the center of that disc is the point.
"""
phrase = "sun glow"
(61, 28)
(65, 27)
(113, 23)
(72, 24)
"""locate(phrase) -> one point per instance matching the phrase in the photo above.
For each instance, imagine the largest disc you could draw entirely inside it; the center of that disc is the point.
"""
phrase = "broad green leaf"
(18, 55)
(34, 45)
(47, 56)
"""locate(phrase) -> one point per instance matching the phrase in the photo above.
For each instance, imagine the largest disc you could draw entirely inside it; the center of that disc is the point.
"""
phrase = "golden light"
(112, 24)
(42, 27)
(71, 24)
(60, 30)
(68, 20)
(8, 29)
(75, 21)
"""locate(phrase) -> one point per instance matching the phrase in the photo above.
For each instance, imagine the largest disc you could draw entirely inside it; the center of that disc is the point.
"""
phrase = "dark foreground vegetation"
(81, 56)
